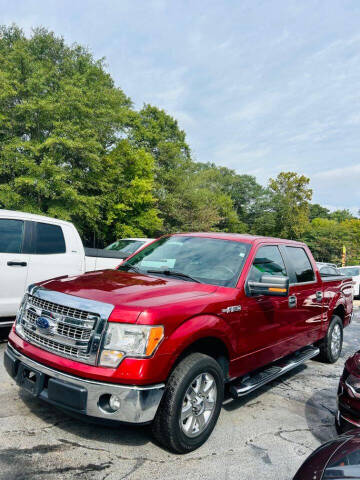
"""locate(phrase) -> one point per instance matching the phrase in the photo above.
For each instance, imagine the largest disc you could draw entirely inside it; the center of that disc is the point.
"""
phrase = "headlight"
(125, 340)
(20, 311)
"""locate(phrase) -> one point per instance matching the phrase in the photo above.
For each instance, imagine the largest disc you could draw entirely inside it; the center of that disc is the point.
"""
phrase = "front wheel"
(191, 404)
(331, 345)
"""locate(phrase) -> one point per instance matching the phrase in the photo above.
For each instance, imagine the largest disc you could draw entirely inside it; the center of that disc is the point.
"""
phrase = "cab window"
(49, 239)
(301, 264)
(268, 261)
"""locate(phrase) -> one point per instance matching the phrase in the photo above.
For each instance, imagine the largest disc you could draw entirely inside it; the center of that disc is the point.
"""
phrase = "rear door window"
(301, 264)
(268, 261)
(11, 235)
(49, 239)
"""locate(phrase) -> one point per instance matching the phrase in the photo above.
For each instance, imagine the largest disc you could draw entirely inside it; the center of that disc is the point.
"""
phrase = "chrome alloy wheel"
(198, 405)
(336, 340)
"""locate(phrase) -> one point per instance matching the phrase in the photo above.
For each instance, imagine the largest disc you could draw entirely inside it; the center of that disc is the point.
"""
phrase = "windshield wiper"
(175, 274)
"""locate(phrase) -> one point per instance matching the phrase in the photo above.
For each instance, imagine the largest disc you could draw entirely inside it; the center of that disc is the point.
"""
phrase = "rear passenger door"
(49, 256)
(13, 265)
(305, 297)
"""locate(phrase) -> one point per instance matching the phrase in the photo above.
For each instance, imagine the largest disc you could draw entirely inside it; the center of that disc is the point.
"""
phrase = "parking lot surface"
(265, 435)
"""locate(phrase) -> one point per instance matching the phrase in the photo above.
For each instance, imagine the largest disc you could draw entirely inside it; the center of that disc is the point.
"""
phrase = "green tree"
(128, 206)
(290, 197)
(317, 211)
(190, 195)
(341, 215)
(60, 116)
(351, 240)
(244, 191)
(326, 237)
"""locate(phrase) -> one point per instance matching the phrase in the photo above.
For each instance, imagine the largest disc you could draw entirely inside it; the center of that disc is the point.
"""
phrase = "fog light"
(114, 402)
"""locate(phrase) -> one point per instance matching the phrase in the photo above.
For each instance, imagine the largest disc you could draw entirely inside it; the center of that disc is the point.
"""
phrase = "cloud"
(258, 86)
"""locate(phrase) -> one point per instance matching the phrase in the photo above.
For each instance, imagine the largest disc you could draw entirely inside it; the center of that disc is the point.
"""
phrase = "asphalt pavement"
(265, 435)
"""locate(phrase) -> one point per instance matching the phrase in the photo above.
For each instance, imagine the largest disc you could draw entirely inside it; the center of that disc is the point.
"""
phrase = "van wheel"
(331, 345)
(191, 404)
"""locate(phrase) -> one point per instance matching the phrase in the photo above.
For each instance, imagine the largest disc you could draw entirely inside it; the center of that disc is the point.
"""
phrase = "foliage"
(290, 196)
(341, 215)
(190, 196)
(60, 116)
(72, 146)
(317, 211)
(128, 206)
(326, 238)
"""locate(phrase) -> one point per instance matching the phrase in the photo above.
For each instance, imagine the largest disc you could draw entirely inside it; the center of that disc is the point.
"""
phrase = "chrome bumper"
(137, 404)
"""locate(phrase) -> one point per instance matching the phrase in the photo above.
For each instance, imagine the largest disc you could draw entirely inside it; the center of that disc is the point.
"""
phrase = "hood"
(130, 293)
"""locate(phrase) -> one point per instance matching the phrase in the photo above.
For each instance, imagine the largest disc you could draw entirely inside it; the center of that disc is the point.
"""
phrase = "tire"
(334, 332)
(195, 391)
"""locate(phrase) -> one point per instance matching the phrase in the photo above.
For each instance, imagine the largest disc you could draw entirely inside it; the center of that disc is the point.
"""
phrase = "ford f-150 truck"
(157, 340)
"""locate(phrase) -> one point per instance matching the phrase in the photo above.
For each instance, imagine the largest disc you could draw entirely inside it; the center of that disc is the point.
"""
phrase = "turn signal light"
(155, 336)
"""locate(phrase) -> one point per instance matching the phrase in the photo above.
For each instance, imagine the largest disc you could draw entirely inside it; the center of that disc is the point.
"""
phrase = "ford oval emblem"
(44, 324)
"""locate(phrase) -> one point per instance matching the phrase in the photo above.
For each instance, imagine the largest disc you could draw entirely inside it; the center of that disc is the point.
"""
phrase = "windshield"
(126, 246)
(350, 271)
(208, 260)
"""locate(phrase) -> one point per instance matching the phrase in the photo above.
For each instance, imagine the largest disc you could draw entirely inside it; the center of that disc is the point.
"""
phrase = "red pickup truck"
(160, 338)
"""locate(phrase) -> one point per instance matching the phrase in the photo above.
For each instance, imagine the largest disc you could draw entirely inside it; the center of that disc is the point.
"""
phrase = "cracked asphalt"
(265, 435)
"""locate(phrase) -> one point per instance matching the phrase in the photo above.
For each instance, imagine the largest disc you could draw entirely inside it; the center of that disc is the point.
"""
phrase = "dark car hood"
(129, 291)
(317, 465)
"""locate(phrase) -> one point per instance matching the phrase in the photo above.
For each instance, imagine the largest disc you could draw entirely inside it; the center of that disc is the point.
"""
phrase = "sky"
(260, 86)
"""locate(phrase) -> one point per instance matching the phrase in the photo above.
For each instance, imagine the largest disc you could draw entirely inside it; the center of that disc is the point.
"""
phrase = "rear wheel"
(191, 404)
(331, 345)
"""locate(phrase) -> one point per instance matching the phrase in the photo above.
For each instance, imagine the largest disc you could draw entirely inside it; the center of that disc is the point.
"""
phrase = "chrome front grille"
(61, 309)
(54, 346)
(61, 327)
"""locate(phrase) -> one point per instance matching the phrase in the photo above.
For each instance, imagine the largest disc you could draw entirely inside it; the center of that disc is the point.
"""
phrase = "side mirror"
(270, 285)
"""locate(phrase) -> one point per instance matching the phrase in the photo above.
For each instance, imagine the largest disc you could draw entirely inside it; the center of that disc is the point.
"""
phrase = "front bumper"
(137, 404)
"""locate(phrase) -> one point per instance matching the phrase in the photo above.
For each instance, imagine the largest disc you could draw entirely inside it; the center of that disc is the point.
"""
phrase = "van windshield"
(126, 246)
(350, 271)
(206, 260)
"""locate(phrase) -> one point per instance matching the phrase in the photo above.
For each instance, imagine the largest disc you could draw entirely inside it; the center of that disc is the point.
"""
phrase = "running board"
(251, 383)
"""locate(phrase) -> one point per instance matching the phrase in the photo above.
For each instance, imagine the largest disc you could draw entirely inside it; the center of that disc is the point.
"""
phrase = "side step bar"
(250, 383)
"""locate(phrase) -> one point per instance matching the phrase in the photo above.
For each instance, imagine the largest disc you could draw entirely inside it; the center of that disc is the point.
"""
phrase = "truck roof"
(31, 216)
(240, 237)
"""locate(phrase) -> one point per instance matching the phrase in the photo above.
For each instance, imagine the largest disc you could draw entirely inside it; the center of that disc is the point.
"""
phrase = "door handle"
(17, 264)
(319, 296)
(292, 301)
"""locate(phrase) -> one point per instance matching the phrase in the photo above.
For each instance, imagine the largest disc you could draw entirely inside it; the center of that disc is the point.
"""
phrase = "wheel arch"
(339, 310)
(206, 334)
(212, 346)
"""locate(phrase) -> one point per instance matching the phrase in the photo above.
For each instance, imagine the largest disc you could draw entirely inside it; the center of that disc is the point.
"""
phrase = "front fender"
(197, 328)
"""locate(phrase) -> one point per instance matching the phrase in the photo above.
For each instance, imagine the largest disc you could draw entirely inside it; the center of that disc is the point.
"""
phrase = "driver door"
(265, 318)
